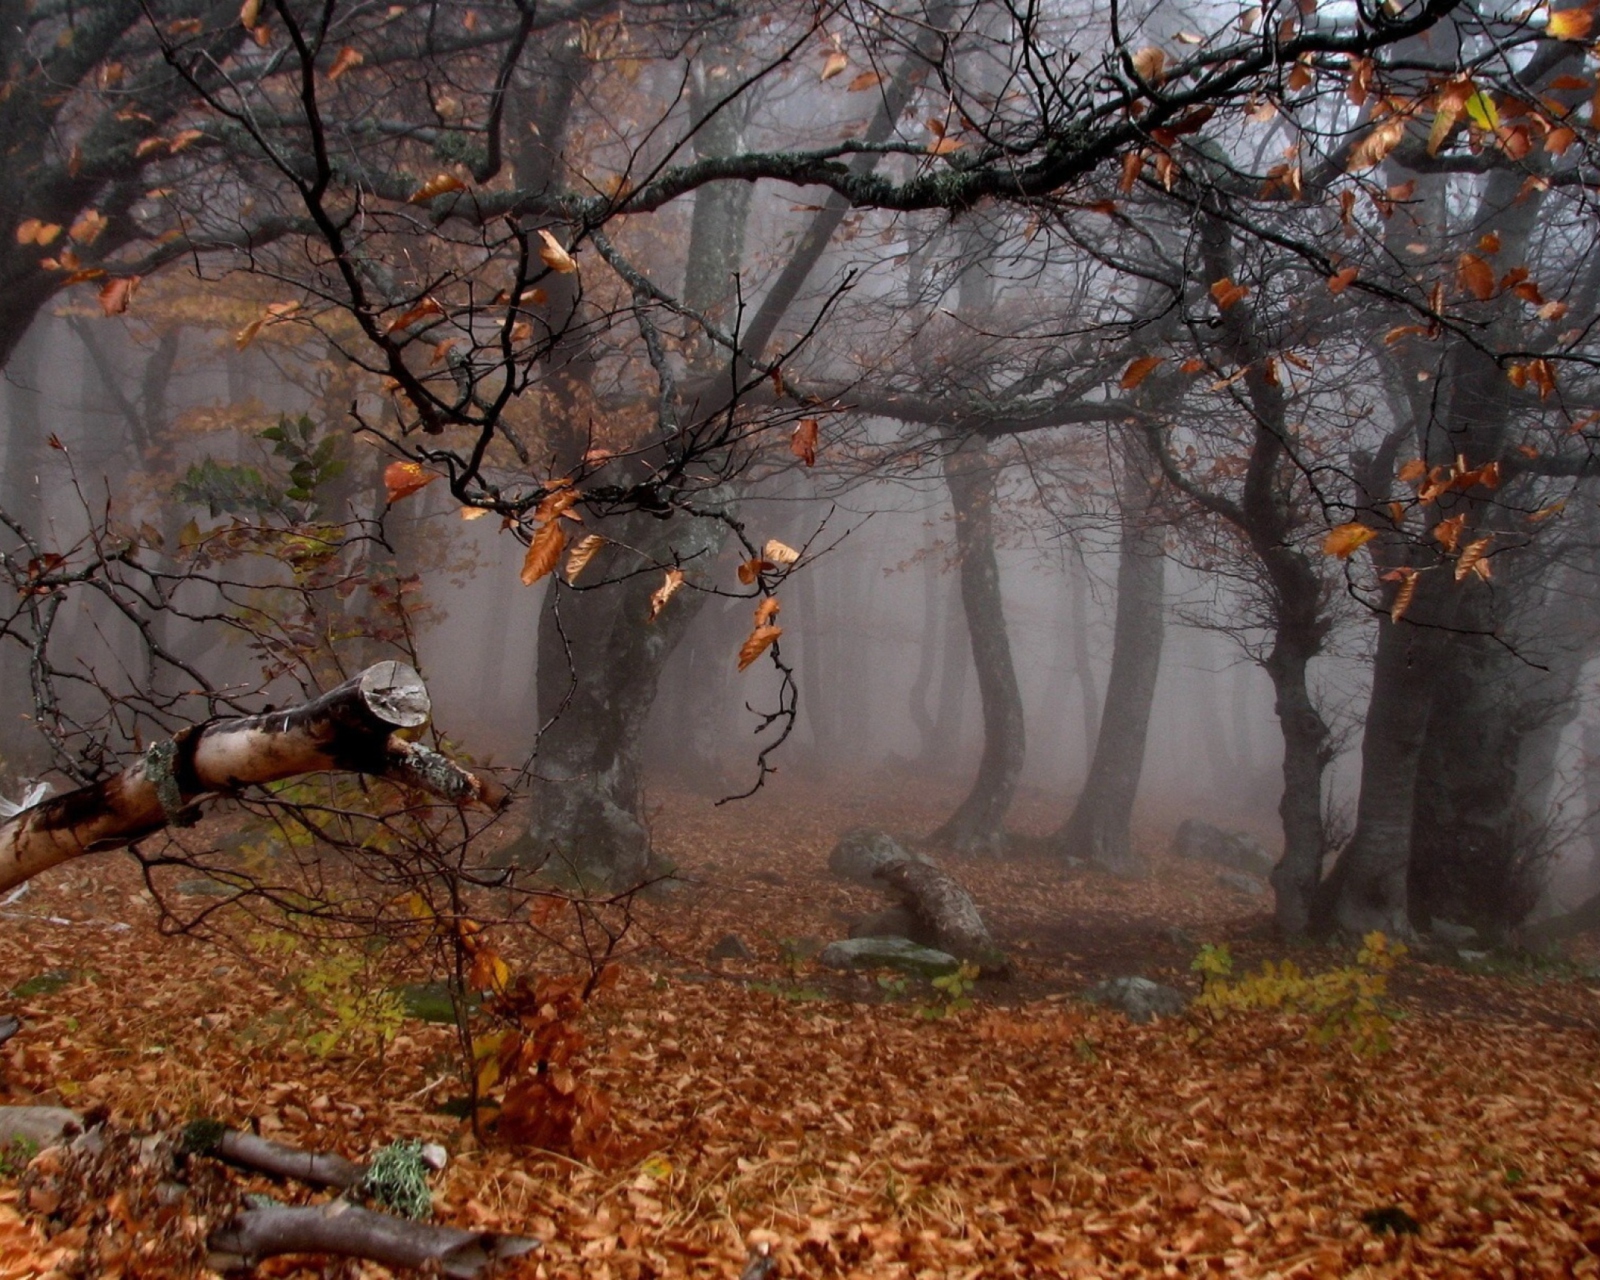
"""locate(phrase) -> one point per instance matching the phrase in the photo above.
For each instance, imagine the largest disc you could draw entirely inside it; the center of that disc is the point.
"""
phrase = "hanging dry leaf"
(767, 610)
(402, 479)
(427, 307)
(544, 552)
(757, 643)
(1150, 64)
(583, 551)
(1341, 280)
(249, 14)
(1471, 556)
(1413, 471)
(438, 185)
(1372, 149)
(750, 570)
(1448, 532)
(803, 441)
(1139, 370)
(663, 593)
(835, 65)
(554, 255)
(347, 60)
(1226, 293)
(1476, 275)
(1345, 539)
(1406, 593)
(561, 496)
(778, 553)
(117, 293)
(86, 228)
(474, 513)
(866, 80)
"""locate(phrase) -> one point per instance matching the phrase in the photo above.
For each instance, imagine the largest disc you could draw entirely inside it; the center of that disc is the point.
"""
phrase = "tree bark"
(350, 728)
(1099, 829)
(978, 824)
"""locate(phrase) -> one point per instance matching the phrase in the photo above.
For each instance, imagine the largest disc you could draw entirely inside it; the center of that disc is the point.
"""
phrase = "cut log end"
(395, 694)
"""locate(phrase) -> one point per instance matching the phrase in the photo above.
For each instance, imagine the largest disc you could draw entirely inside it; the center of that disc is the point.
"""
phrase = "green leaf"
(1480, 107)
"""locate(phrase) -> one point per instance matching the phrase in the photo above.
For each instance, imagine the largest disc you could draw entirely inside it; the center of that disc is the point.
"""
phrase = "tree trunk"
(599, 665)
(1305, 757)
(978, 824)
(1083, 658)
(347, 728)
(1099, 829)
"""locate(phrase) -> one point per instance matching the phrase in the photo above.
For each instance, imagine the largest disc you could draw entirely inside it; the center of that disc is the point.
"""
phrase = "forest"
(849, 638)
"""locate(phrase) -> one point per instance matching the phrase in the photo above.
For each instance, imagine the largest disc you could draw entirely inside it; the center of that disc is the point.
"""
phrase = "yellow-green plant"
(1349, 1003)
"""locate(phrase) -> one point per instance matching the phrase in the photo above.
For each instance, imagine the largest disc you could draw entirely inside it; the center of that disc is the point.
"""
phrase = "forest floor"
(855, 1129)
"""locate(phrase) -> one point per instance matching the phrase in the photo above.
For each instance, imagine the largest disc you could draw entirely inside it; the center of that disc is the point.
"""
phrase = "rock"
(888, 953)
(38, 1126)
(1457, 935)
(1139, 998)
(943, 906)
(730, 947)
(862, 851)
(1201, 842)
(1180, 938)
(1241, 883)
(894, 922)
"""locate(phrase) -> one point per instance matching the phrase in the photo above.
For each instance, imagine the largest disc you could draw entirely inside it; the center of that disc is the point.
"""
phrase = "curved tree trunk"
(1099, 829)
(978, 824)
(1305, 757)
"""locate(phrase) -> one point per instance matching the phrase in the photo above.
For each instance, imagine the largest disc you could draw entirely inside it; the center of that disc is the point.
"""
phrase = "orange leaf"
(866, 80)
(668, 588)
(1477, 277)
(583, 551)
(757, 643)
(348, 58)
(1569, 24)
(249, 13)
(438, 185)
(767, 610)
(750, 570)
(1139, 370)
(117, 293)
(943, 146)
(402, 479)
(1341, 280)
(1345, 539)
(544, 552)
(1194, 364)
(183, 139)
(803, 442)
(1404, 596)
(1448, 532)
(1227, 293)
(86, 227)
(1132, 163)
(427, 307)
(554, 255)
(1413, 471)
(1150, 64)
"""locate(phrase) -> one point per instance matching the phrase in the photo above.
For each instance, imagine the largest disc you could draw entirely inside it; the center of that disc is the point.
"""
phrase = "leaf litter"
(833, 1119)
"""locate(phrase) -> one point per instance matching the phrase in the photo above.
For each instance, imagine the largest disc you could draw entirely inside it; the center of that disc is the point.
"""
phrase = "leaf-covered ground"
(833, 1119)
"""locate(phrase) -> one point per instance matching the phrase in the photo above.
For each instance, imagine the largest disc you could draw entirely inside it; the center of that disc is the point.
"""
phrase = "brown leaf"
(757, 643)
(1343, 540)
(402, 479)
(86, 227)
(1226, 293)
(1341, 280)
(866, 80)
(767, 610)
(835, 65)
(778, 553)
(668, 588)
(438, 185)
(583, 551)
(1139, 370)
(1404, 596)
(117, 293)
(1476, 275)
(554, 255)
(1448, 532)
(1150, 64)
(803, 441)
(427, 307)
(1132, 163)
(750, 570)
(544, 552)
(1471, 556)
(249, 14)
(347, 60)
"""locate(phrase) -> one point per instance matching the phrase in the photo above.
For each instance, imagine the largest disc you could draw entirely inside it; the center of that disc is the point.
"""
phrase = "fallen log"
(348, 1231)
(276, 1159)
(350, 728)
(946, 911)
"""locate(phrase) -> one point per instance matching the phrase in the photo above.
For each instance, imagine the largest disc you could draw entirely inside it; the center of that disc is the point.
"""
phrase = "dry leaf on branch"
(347, 60)
(750, 570)
(554, 255)
(1472, 559)
(438, 185)
(1139, 370)
(778, 553)
(402, 479)
(668, 588)
(757, 643)
(1343, 540)
(803, 441)
(583, 551)
(835, 65)
(544, 552)
(117, 293)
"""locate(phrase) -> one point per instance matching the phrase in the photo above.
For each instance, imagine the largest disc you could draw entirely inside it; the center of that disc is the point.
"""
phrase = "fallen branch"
(350, 728)
(946, 910)
(276, 1159)
(347, 1231)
